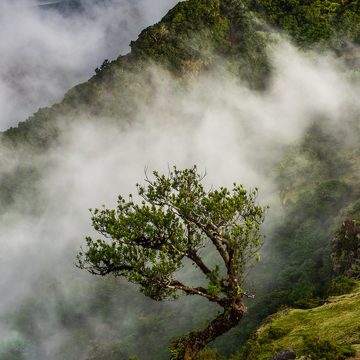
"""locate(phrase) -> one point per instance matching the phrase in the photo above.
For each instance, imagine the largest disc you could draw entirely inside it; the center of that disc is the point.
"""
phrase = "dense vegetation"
(305, 252)
(314, 243)
(189, 39)
(313, 23)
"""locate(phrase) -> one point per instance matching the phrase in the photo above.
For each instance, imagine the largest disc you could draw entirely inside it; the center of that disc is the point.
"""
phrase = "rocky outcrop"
(284, 355)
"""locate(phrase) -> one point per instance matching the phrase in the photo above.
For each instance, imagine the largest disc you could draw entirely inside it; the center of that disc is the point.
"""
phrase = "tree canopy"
(147, 241)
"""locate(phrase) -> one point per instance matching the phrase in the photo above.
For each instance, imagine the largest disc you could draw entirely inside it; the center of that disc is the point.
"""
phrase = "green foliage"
(320, 349)
(276, 332)
(324, 332)
(315, 21)
(209, 354)
(214, 286)
(262, 348)
(340, 285)
(254, 349)
(319, 157)
(248, 39)
(346, 249)
(148, 241)
(187, 35)
(308, 302)
(12, 349)
(178, 348)
(188, 41)
(317, 190)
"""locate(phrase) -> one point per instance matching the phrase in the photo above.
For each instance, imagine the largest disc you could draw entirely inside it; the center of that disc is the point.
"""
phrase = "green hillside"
(317, 179)
(190, 39)
(335, 322)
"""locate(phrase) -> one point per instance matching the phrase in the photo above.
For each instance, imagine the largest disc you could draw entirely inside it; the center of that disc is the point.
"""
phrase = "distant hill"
(66, 7)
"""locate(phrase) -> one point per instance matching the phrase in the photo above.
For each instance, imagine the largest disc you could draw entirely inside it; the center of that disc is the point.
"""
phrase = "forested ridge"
(235, 30)
(312, 247)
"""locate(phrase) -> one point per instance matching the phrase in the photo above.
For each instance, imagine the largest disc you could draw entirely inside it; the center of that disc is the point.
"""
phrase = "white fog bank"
(44, 52)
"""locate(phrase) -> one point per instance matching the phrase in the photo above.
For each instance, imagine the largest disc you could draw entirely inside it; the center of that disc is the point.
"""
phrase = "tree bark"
(187, 347)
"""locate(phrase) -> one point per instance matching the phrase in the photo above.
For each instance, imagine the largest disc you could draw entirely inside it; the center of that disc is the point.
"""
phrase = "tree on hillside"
(147, 242)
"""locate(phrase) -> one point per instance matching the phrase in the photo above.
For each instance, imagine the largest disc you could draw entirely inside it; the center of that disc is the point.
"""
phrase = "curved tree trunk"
(189, 345)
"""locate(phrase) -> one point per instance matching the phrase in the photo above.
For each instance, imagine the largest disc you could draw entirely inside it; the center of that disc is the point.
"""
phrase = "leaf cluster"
(312, 22)
(320, 349)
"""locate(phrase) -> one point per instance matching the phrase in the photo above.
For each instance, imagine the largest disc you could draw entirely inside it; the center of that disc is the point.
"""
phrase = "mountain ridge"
(316, 179)
(228, 27)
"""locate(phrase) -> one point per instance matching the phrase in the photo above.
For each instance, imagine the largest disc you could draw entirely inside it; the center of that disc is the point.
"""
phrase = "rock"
(284, 355)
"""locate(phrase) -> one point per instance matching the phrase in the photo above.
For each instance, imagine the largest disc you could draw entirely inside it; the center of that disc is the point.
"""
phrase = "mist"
(231, 132)
(46, 51)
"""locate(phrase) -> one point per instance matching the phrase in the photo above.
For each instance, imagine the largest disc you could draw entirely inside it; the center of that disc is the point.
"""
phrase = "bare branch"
(106, 269)
(194, 291)
(217, 240)
(249, 296)
(192, 255)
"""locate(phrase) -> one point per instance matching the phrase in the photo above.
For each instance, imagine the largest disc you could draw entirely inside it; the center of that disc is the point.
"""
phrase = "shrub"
(346, 249)
(209, 354)
(276, 332)
(308, 303)
(340, 285)
(319, 349)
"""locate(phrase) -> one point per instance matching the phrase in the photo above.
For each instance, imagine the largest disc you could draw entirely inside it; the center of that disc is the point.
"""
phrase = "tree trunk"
(189, 345)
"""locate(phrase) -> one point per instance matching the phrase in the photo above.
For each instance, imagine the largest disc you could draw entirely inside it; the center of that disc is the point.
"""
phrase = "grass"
(337, 321)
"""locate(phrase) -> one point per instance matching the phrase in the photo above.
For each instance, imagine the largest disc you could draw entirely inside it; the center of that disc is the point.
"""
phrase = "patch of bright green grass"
(337, 321)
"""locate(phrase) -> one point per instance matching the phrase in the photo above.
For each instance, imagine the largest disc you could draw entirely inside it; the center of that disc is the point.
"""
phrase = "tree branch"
(194, 291)
(192, 255)
(106, 269)
(208, 230)
(217, 240)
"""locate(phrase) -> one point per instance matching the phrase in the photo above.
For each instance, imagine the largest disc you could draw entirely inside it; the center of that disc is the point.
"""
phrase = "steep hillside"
(318, 182)
(190, 39)
(317, 178)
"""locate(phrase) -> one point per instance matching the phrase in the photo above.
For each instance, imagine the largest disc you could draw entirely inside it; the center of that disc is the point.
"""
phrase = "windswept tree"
(147, 242)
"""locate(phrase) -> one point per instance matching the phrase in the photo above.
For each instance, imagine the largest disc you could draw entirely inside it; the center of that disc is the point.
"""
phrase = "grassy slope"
(337, 320)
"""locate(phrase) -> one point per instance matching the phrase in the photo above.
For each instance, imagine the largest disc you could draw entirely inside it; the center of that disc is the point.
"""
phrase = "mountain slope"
(317, 179)
(190, 39)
